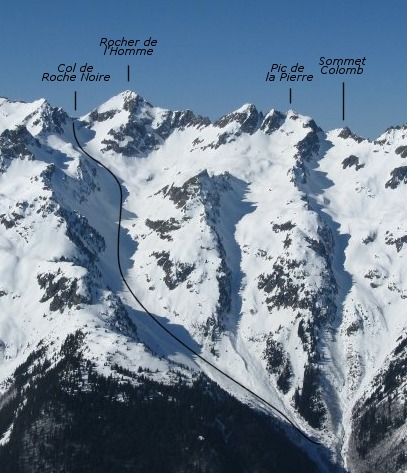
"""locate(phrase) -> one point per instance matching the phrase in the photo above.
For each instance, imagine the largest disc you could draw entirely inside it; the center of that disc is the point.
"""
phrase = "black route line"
(190, 349)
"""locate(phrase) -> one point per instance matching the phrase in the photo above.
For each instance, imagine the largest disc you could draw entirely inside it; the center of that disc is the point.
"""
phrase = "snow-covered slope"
(275, 250)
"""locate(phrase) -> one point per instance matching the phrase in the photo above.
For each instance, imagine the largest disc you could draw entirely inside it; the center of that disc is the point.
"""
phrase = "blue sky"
(212, 56)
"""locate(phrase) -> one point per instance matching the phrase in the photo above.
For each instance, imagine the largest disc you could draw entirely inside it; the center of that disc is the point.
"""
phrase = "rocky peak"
(129, 101)
(272, 121)
(247, 116)
(39, 117)
(346, 133)
(47, 119)
(394, 134)
(397, 127)
(141, 126)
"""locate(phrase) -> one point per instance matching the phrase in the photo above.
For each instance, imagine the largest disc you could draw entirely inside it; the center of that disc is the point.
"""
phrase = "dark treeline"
(68, 418)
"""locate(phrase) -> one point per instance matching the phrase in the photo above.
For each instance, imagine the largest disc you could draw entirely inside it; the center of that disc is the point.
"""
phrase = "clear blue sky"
(212, 56)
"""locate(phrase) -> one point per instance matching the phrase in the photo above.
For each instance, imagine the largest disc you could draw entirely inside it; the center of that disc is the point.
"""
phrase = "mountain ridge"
(293, 308)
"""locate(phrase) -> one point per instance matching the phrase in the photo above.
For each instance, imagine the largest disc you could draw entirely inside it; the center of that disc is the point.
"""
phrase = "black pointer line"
(343, 101)
(190, 349)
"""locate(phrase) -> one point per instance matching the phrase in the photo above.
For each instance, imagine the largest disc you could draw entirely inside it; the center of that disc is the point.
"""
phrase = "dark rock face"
(133, 103)
(96, 116)
(283, 227)
(52, 119)
(379, 417)
(222, 139)
(201, 187)
(224, 279)
(306, 334)
(278, 364)
(402, 151)
(272, 122)
(398, 176)
(164, 227)
(350, 161)
(282, 289)
(14, 145)
(10, 221)
(370, 238)
(286, 287)
(398, 242)
(175, 273)
(190, 189)
(314, 127)
(83, 235)
(180, 120)
(375, 276)
(63, 291)
(117, 317)
(249, 120)
(347, 133)
(142, 139)
(308, 146)
(308, 400)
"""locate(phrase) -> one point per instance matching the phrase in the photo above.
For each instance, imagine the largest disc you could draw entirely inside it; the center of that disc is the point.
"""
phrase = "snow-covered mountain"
(276, 251)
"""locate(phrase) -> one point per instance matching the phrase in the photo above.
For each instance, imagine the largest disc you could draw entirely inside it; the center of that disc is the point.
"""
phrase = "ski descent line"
(162, 326)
